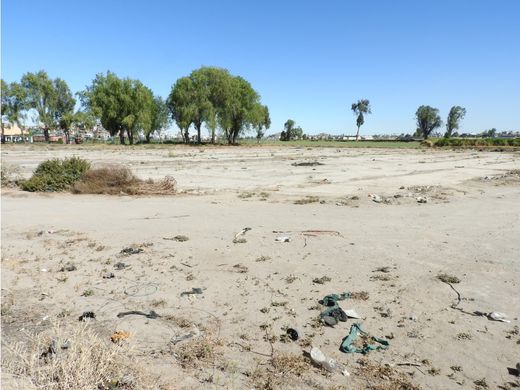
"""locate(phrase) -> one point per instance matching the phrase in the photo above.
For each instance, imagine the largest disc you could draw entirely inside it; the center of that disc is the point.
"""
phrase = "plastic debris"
(355, 330)
(294, 333)
(496, 316)
(351, 313)
(109, 275)
(119, 265)
(328, 364)
(283, 239)
(86, 315)
(376, 198)
(421, 199)
(194, 333)
(119, 336)
(194, 290)
(131, 251)
(152, 315)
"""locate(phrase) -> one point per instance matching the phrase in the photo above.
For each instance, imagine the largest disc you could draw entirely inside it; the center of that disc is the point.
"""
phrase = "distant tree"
(41, 95)
(262, 122)
(13, 104)
(428, 119)
(64, 114)
(122, 105)
(179, 103)
(159, 117)
(491, 133)
(361, 108)
(286, 134)
(456, 114)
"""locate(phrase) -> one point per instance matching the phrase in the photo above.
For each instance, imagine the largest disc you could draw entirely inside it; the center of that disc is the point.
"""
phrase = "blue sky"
(309, 60)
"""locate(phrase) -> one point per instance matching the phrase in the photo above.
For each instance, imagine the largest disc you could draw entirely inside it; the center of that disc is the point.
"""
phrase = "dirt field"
(430, 212)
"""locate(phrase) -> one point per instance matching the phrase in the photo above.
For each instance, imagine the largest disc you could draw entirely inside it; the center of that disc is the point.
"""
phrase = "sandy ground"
(469, 227)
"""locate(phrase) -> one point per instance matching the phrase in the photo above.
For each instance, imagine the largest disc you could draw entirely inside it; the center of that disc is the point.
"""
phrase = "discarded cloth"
(334, 312)
(355, 330)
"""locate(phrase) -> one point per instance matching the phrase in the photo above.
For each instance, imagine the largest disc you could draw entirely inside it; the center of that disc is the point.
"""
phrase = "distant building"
(13, 133)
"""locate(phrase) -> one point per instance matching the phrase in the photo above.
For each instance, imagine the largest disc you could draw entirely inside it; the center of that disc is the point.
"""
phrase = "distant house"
(13, 133)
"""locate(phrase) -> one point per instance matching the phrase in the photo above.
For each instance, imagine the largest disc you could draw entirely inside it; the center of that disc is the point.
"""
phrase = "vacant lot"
(380, 223)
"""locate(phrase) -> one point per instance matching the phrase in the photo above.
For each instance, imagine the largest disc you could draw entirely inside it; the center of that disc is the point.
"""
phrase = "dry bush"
(380, 377)
(286, 363)
(10, 175)
(199, 351)
(114, 180)
(72, 357)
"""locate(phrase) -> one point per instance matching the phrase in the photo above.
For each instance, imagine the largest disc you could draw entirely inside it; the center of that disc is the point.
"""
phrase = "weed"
(56, 175)
(307, 200)
(481, 383)
(88, 292)
(321, 280)
(446, 278)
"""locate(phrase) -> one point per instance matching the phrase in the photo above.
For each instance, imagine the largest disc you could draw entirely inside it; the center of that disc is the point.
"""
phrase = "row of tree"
(125, 107)
(209, 96)
(428, 119)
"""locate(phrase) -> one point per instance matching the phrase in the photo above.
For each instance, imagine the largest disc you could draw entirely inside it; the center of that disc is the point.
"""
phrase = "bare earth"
(469, 227)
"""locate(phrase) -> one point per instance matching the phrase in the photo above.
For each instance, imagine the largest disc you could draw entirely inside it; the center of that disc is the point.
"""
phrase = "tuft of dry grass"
(73, 357)
(380, 377)
(197, 352)
(307, 200)
(446, 278)
(115, 180)
(360, 295)
(287, 363)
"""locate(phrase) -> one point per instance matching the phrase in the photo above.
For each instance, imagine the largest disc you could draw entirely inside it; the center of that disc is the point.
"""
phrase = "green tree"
(13, 104)
(41, 95)
(428, 119)
(122, 105)
(288, 128)
(262, 122)
(159, 117)
(64, 114)
(361, 108)
(179, 103)
(456, 114)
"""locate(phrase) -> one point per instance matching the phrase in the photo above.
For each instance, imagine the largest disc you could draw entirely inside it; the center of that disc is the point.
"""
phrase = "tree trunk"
(46, 134)
(148, 137)
(187, 136)
(357, 134)
(67, 136)
(213, 136)
(198, 133)
(121, 136)
(130, 136)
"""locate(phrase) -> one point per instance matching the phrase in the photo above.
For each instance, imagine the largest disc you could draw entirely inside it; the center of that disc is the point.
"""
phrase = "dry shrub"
(199, 351)
(379, 377)
(73, 357)
(286, 363)
(114, 180)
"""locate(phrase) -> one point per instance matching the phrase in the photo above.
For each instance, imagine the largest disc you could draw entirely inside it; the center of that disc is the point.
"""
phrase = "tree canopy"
(13, 103)
(428, 119)
(122, 105)
(51, 99)
(215, 97)
(456, 114)
(291, 132)
(360, 109)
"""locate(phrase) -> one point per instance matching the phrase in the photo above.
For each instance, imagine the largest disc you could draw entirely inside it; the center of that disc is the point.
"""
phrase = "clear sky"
(309, 60)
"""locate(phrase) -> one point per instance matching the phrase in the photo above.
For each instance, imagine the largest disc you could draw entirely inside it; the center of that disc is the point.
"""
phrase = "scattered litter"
(493, 316)
(334, 312)
(329, 364)
(179, 238)
(351, 313)
(109, 275)
(178, 339)
(376, 198)
(152, 315)
(44, 270)
(385, 269)
(131, 251)
(307, 164)
(119, 336)
(86, 315)
(53, 348)
(194, 290)
(321, 280)
(119, 265)
(241, 233)
(69, 267)
(240, 268)
(421, 199)
(294, 333)
(239, 240)
(283, 239)
(355, 330)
